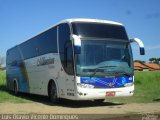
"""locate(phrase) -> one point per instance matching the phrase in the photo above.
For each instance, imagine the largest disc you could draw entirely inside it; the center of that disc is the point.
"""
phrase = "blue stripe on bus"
(107, 82)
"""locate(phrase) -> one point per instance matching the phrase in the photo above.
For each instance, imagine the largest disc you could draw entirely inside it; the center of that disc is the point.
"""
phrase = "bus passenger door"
(69, 68)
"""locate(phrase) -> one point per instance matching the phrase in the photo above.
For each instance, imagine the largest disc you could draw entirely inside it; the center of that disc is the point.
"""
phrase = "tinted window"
(69, 58)
(48, 42)
(99, 30)
(44, 43)
(64, 37)
(29, 49)
(13, 56)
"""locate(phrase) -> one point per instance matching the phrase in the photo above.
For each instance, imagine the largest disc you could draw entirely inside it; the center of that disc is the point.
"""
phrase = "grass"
(5, 95)
(147, 89)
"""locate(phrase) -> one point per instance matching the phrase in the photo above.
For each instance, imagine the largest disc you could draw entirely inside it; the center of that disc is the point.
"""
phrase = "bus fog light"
(128, 84)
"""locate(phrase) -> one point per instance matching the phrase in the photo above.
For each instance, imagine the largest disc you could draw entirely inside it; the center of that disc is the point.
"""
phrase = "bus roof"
(90, 20)
(70, 21)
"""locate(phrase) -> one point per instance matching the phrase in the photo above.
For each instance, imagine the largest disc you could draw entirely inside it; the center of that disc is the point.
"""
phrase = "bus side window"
(64, 41)
(13, 57)
(69, 58)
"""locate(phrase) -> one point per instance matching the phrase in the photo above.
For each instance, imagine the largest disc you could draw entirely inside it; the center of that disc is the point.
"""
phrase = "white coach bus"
(77, 59)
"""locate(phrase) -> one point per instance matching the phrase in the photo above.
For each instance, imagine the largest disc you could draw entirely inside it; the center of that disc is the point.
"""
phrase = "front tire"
(53, 92)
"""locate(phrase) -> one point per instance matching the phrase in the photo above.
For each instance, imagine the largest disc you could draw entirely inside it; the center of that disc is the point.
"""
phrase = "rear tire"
(15, 90)
(53, 92)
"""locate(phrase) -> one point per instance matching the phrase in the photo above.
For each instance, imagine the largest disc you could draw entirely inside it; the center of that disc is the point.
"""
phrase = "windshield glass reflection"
(104, 58)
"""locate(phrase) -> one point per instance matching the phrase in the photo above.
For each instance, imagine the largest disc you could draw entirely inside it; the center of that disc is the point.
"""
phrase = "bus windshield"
(99, 58)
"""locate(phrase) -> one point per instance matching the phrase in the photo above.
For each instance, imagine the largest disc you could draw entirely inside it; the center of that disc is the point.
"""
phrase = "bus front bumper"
(92, 94)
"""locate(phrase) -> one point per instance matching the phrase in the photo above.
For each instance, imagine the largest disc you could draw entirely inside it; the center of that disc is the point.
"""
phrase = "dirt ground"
(85, 107)
(79, 108)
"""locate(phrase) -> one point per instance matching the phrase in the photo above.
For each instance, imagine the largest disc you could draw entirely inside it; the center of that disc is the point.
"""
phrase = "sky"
(23, 19)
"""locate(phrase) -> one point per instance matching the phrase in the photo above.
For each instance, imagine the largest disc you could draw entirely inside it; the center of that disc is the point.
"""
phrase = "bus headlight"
(85, 85)
(128, 84)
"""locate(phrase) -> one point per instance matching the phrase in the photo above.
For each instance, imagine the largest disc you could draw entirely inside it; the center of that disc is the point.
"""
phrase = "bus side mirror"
(77, 49)
(140, 43)
(77, 44)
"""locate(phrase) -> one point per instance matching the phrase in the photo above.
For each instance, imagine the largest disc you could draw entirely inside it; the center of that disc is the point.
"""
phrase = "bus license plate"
(110, 93)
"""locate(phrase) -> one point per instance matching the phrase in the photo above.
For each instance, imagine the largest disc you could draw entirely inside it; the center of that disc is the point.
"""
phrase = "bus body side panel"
(41, 69)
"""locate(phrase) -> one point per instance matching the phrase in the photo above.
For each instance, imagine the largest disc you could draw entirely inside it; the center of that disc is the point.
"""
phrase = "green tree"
(154, 60)
(151, 60)
(159, 60)
(140, 61)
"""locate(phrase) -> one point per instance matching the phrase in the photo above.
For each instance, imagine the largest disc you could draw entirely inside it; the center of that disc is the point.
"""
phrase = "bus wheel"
(53, 92)
(15, 88)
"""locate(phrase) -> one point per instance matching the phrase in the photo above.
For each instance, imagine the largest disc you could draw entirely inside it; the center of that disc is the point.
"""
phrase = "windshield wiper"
(122, 74)
(100, 68)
